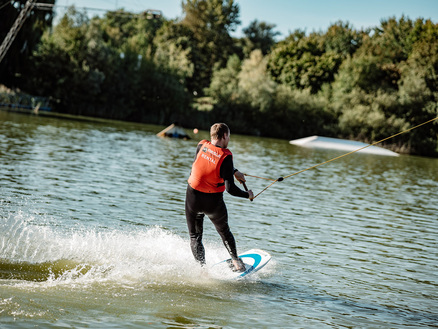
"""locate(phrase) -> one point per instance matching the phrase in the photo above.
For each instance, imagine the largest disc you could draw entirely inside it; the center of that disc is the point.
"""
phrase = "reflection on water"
(93, 233)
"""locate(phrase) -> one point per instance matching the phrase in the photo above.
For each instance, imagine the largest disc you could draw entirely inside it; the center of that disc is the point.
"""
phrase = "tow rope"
(279, 179)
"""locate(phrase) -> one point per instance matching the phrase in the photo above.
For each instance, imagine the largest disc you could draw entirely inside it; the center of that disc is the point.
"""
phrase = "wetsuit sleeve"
(227, 173)
(197, 150)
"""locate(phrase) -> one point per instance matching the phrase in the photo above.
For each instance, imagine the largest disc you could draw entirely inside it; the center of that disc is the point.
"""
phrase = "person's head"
(220, 132)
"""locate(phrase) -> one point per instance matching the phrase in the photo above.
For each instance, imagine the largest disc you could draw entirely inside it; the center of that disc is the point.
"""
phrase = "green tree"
(210, 21)
(298, 113)
(418, 88)
(389, 85)
(304, 62)
(79, 65)
(122, 28)
(341, 38)
(224, 83)
(174, 49)
(246, 83)
(255, 84)
(259, 35)
(63, 65)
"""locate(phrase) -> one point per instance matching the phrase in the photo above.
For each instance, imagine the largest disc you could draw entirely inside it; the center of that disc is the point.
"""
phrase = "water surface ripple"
(93, 233)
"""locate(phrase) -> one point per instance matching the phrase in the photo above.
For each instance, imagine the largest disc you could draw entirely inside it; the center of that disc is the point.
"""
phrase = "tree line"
(359, 84)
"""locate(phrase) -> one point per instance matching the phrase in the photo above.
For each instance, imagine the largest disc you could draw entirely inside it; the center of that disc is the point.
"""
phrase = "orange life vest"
(205, 175)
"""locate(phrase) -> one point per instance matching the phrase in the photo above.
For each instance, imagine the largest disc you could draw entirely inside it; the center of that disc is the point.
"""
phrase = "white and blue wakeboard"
(254, 260)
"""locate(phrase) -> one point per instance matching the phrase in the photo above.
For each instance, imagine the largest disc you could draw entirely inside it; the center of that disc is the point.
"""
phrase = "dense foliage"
(358, 84)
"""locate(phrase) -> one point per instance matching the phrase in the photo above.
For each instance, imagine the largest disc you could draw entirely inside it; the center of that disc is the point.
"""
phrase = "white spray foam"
(133, 256)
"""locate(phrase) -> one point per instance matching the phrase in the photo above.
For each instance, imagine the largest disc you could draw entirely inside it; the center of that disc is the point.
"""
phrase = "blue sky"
(287, 15)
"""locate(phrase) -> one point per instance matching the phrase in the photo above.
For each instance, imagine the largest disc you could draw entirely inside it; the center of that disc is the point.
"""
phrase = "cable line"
(10, 37)
(30, 4)
(338, 157)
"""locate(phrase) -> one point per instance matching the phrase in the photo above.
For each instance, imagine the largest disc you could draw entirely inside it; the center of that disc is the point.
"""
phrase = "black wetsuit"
(199, 204)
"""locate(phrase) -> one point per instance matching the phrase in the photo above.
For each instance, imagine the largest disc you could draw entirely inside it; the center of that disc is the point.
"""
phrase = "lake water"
(93, 233)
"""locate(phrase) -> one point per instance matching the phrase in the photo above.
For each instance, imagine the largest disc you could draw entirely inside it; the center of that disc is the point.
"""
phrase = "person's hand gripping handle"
(241, 178)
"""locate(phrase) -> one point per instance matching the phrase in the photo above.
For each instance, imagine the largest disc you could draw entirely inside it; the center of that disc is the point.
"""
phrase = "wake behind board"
(253, 259)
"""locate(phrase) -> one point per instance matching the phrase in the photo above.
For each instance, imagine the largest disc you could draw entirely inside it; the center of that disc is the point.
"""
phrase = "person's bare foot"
(238, 264)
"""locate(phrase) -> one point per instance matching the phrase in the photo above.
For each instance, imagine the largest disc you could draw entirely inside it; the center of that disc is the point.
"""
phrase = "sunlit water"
(93, 234)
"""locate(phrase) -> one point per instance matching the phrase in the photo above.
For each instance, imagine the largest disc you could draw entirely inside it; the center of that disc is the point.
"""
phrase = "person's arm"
(197, 150)
(227, 173)
(239, 176)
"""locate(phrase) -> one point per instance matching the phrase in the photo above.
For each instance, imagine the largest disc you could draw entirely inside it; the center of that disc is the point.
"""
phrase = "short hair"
(218, 131)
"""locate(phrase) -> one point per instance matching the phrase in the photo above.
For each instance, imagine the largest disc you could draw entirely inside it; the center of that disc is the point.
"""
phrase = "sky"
(287, 15)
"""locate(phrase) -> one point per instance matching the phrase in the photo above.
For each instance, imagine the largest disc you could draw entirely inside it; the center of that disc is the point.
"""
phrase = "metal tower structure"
(10, 37)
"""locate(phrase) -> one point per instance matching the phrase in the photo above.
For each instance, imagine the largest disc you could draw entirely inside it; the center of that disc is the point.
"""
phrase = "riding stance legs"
(199, 204)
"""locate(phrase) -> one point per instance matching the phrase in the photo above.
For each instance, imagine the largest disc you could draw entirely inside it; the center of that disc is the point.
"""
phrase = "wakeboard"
(254, 260)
